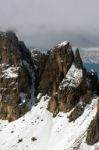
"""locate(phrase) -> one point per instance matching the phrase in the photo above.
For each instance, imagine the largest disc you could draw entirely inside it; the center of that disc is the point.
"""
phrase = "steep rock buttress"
(16, 76)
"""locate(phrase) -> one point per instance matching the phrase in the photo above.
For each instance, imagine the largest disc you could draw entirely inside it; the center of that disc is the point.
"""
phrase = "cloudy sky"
(43, 23)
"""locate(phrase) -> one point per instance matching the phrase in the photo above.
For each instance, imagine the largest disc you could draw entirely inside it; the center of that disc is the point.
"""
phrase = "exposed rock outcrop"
(70, 86)
(39, 60)
(59, 60)
(75, 91)
(16, 76)
(60, 74)
(68, 91)
(77, 112)
(93, 129)
(77, 59)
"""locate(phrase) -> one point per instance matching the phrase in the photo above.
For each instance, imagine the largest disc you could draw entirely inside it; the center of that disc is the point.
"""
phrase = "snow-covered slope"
(38, 130)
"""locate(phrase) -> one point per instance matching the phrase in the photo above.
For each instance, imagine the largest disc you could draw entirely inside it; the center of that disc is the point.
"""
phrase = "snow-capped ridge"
(62, 44)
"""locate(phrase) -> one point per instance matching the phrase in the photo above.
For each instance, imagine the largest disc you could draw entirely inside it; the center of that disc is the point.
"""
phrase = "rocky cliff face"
(69, 85)
(93, 129)
(39, 60)
(64, 78)
(54, 66)
(16, 76)
(59, 74)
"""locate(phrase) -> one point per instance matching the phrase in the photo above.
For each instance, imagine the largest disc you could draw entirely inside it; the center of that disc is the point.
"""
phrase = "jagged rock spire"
(59, 60)
(77, 59)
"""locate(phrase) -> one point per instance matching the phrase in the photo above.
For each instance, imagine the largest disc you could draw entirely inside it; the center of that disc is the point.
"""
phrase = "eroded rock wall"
(16, 69)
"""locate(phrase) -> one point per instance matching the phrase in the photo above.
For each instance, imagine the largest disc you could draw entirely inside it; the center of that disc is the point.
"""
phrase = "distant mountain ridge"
(90, 56)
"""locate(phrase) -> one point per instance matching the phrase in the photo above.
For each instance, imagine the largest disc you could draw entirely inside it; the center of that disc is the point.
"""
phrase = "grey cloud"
(43, 23)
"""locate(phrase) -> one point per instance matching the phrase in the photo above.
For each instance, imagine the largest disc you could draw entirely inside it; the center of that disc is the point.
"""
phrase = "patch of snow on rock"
(63, 44)
(10, 72)
(73, 78)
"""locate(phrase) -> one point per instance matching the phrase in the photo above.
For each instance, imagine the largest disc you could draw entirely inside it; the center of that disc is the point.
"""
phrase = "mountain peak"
(62, 44)
(49, 95)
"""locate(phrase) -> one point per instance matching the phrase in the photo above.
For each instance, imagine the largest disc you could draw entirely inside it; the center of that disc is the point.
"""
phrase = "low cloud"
(43, 23)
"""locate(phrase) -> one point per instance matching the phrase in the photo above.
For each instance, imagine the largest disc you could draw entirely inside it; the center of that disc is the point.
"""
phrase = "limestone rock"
(16, 69)
(39, 60)
(59, 60)
(76, 85)
(93, 129)
(77, 59)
